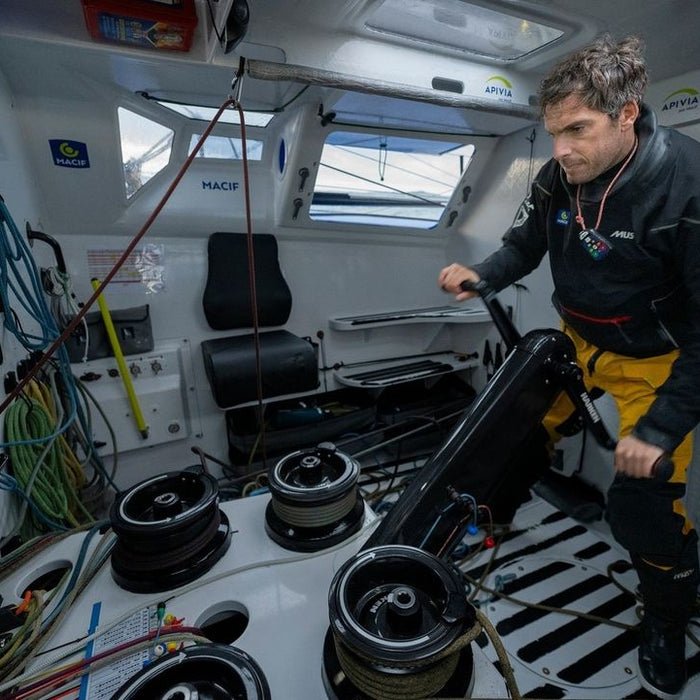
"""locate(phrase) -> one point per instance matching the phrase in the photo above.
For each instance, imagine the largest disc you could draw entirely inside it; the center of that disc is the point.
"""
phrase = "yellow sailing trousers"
(632, 383)
(647, 517)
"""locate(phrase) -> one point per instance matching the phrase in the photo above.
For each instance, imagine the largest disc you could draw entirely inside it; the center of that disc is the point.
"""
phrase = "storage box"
(154, 24)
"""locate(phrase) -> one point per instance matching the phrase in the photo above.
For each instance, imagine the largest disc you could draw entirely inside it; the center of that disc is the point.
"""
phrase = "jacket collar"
(653, 146)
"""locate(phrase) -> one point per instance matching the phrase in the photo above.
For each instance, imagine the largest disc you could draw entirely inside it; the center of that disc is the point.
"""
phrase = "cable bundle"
(47, 422)
(59, 287)
(46, 609)
(44, 465)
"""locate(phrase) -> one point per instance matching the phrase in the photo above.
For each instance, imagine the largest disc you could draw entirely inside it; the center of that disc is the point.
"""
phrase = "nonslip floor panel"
(552, 562)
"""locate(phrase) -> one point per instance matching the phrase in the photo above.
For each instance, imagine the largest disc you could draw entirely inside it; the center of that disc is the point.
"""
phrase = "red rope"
(253, 284)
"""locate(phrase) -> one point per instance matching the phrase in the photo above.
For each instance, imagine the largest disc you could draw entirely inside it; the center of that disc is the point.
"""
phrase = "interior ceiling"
(671, 50)
(669, 28)
(38, 67)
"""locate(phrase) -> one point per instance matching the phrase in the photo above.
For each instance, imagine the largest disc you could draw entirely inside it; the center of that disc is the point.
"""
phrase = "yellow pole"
(119, 357)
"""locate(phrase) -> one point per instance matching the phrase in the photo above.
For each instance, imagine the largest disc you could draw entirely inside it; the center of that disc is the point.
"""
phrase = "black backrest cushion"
(226, 298)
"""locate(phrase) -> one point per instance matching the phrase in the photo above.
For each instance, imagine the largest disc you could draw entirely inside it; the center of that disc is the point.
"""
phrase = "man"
(618, 210)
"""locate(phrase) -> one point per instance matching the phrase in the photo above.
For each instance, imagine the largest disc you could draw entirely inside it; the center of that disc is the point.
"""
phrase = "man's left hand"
(636, 458)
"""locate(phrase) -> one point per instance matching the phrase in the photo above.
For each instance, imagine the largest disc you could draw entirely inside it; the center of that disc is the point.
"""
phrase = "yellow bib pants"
(646, 516)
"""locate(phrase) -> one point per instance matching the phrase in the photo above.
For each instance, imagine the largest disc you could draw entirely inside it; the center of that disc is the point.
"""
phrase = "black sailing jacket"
(636, 290)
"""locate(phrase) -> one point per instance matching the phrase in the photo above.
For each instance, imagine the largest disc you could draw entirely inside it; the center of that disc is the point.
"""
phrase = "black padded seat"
(288, 363)
(226, 297)
(288, 366)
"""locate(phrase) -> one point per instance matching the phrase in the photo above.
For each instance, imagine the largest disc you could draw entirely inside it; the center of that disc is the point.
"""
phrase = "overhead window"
(146, 146)
(228, 116)
(387, 180)
(227, 147)
(219, 145)
(463, 26)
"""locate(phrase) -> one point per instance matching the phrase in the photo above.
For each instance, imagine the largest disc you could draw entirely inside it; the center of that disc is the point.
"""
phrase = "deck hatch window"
(146, 146)
(226, 147)
(229, 116)
(383, 180)
(462, 26)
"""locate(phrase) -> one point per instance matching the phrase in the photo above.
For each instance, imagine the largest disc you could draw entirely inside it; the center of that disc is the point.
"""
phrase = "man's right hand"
(452, 276)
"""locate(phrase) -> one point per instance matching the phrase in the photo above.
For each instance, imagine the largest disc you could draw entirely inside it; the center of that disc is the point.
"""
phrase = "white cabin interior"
(391, 73)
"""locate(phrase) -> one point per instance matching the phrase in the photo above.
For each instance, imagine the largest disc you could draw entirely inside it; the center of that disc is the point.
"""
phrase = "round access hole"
(224, 622)
(44, 578)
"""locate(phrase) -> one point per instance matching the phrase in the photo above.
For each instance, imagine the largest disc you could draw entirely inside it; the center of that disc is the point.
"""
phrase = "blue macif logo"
(563, 217)
(69, 154)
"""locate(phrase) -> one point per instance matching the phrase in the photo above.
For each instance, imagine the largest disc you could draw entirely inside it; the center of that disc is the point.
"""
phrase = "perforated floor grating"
(549, 559)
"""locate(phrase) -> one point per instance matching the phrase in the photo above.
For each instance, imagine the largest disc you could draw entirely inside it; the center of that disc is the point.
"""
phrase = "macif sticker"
(69, 154)
(563, 217)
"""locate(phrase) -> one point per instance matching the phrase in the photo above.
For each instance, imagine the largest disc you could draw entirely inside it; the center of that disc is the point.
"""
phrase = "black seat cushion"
(226, 300)
(288, 365)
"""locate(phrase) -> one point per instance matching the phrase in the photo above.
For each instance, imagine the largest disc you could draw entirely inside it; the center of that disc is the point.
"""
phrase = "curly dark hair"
(605, 74)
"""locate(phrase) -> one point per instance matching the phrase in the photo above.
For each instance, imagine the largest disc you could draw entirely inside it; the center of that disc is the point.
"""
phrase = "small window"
(229, 116)
(228, 147)
(146, 146)
(387, 180)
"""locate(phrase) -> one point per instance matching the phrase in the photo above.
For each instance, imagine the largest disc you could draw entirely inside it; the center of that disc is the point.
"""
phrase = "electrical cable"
(362, 453)
(87, 445)
(100, 660)
(68, 650)
(86, 441)
(383, 428)
(480, 586)
(76, 580)
(17, 557)
(59, 287)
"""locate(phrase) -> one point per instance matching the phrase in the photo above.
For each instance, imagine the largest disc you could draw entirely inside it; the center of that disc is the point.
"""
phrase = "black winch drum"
(202, 672)
(400, 627)
(315, 501)
(169, 530)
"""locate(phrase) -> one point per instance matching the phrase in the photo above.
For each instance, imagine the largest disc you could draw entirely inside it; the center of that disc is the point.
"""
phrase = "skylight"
(463, 26)
(230, 116)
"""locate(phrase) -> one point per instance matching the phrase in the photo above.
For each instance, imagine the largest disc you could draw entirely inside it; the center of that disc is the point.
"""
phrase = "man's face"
(588, 142)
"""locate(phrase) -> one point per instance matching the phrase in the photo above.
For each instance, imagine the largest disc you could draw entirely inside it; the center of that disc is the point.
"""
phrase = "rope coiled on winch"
(430, 675)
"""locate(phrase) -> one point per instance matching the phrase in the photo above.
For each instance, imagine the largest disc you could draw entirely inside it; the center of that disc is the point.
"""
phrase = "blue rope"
(30, 295)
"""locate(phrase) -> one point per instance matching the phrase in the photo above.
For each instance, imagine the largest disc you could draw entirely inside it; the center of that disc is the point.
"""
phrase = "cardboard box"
(154, 24)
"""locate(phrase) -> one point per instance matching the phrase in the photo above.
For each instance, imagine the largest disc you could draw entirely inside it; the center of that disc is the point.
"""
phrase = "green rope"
(39, 471)
(426, 677)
